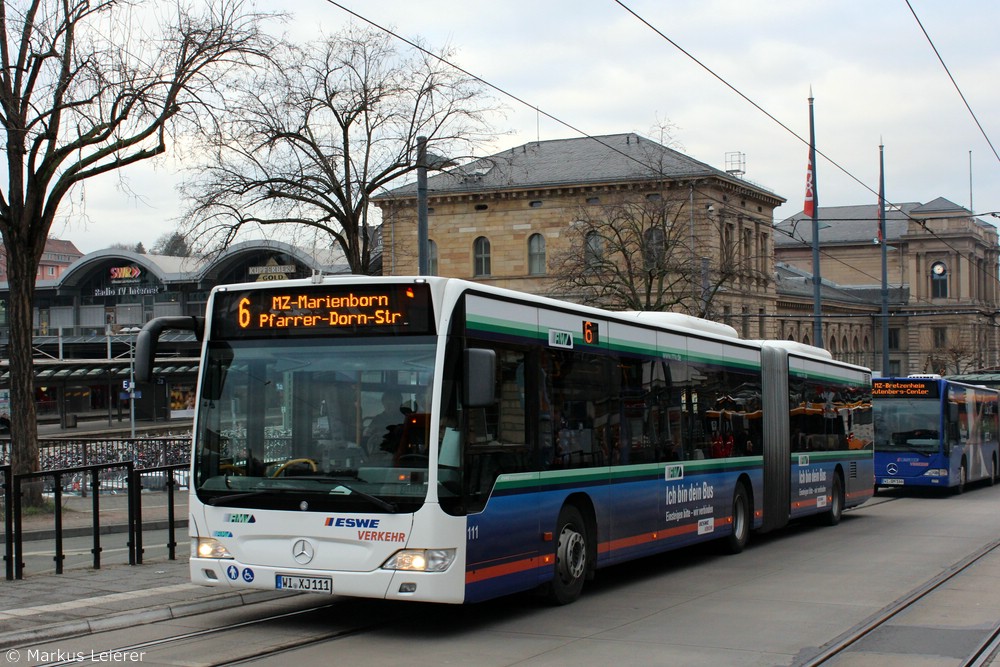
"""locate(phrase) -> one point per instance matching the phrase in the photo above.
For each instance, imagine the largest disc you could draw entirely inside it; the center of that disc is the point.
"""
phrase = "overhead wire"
(954, 83)
(824, 253)
(922, 223)
(539, 110)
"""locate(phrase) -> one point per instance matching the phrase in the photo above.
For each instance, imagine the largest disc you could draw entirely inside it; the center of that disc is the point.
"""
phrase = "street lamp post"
(425, 161)
(132, 333)
(422, 206)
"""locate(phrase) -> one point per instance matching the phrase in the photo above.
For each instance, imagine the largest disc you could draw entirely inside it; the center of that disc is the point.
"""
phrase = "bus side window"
(497, 439)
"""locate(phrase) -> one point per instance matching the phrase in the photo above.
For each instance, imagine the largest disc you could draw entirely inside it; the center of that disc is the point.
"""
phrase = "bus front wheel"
(963, 479)
(572, 553)
(736, 541)
(836, 510)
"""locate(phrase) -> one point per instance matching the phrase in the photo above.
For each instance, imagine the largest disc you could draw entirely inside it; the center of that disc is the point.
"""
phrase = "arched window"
(481, 257)
(536, 255)
(593, 251)
(432, 257)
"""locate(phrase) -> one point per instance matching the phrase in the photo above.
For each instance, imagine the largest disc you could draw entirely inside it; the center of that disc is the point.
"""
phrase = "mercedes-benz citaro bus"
(933, 432)
(439, 440)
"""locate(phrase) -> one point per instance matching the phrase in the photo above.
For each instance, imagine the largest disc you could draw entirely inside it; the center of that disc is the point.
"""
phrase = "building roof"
(614, 158)
(62, 247)
(169, 269)
(859, 224)
(795, 282)
(941, 205)
(845, 224)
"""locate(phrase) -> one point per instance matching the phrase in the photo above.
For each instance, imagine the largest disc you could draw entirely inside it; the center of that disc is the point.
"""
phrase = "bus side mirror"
(147, 339)
(480, 378)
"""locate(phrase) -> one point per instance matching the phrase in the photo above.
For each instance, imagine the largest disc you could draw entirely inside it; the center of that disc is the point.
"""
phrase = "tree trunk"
(21, 270)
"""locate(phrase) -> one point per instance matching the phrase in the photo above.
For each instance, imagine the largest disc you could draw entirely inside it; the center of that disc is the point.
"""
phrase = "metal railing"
(73, 452)
(76, 466)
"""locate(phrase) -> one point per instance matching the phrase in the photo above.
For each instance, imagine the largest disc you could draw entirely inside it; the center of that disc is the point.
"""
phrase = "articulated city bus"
(934, 432)
(439, 440)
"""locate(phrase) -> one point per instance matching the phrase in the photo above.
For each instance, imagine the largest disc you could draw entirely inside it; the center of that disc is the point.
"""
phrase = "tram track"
(209, 634)
(987, 648)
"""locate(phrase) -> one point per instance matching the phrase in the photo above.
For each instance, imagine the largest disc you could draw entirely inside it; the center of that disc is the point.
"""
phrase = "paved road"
(778, 603)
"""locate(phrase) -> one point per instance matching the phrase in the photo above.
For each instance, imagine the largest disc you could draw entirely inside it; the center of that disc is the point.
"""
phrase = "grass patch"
(47, 507)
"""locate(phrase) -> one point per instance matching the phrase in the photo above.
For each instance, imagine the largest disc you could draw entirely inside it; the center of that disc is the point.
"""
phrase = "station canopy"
(100, 371)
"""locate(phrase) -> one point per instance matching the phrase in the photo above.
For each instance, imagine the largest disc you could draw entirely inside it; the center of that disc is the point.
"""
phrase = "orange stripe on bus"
(514, 567)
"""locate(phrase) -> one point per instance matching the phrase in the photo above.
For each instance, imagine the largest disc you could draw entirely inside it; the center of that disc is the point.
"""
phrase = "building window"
(481, 255)
(654, 248)
(593, 252)
(432, 258)
(536, 255)
(893, 338)
(939, 280)
(940, 337)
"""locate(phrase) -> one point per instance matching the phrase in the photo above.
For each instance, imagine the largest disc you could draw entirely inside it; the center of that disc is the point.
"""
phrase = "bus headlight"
(421, 560)
(209, 547)
(936, 472)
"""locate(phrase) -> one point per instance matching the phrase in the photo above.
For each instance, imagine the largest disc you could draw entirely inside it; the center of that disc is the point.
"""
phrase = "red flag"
(881, 196)
(807, 208)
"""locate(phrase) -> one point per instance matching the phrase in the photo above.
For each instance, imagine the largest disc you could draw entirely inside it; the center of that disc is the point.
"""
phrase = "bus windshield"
(322, 424)
(905, 424)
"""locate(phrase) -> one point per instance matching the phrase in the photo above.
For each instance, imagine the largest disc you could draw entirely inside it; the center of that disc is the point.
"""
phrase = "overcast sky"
(592, 65)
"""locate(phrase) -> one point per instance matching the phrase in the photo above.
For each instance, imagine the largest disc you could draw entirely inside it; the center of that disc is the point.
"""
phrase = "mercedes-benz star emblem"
(891, 469)
(302, 552)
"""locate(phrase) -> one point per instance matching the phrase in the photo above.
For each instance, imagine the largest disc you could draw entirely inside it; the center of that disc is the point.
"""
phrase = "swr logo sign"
(125, 272)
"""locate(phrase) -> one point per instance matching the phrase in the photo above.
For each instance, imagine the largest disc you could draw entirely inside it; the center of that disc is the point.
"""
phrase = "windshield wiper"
(905, 448)
(219, 500)
(374, 500)
(337, 477)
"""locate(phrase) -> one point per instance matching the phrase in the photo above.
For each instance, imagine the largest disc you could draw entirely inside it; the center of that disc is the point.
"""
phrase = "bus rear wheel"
(572, 554)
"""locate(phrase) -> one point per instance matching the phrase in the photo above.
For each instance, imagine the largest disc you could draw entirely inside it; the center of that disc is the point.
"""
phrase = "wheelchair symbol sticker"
(248, 575)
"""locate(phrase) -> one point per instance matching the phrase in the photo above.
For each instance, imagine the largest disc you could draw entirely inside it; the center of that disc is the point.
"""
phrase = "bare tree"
(85, 91)
(643, 251)
(323, 133)
(952, 360)
(632, 254)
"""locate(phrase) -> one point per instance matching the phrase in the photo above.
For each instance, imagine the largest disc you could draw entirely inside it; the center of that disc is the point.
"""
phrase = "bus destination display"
(905, 388)
(323, 310)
